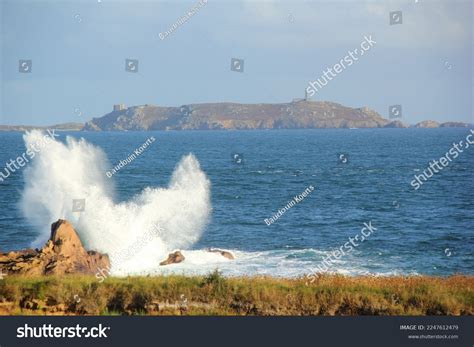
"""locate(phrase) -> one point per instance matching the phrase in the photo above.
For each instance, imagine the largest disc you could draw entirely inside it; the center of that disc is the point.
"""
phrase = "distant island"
(63, 127)
(298, 114)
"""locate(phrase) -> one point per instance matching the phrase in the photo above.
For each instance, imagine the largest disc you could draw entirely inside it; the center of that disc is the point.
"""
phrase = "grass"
(218, 295)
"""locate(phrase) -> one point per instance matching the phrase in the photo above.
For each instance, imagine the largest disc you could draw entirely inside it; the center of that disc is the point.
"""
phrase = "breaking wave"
(146, 228)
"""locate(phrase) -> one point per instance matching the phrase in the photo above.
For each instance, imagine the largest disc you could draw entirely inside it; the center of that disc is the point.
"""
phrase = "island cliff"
(215, 116)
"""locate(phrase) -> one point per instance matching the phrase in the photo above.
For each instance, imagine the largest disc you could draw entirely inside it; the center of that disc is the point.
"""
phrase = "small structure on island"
(306, 97)
(119, 107)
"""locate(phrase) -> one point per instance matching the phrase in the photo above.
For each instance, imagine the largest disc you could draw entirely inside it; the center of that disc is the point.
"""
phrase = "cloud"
(328, 24)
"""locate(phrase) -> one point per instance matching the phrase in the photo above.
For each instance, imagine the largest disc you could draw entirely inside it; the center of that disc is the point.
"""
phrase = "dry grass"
(218, 295)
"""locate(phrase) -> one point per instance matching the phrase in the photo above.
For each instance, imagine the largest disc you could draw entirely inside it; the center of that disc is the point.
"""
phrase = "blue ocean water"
(427, 231)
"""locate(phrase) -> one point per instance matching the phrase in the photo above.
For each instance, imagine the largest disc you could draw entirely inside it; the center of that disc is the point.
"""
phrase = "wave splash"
(167, 218)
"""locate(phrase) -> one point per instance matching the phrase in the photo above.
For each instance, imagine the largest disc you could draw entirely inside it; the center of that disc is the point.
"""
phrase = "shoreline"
(19, 129)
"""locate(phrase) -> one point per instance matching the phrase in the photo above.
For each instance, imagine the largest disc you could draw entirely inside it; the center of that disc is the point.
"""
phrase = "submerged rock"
(62, 254)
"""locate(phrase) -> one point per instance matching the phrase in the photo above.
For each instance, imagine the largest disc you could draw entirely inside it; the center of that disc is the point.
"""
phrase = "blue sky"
(78, 51)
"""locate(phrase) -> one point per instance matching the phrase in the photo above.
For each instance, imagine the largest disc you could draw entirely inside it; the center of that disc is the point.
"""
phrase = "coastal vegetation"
(215, 294)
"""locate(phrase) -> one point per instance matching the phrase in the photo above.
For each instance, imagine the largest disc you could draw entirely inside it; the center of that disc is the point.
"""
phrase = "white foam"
(76, 170)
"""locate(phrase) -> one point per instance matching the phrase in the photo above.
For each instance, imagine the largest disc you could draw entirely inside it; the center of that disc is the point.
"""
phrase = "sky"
(78, 50)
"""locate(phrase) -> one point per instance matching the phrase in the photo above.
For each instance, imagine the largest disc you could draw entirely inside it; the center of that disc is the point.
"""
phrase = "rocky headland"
(62, 254)
(229, 116)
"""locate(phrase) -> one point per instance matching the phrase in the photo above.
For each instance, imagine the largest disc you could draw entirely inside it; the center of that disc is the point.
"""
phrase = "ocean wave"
(137, 234)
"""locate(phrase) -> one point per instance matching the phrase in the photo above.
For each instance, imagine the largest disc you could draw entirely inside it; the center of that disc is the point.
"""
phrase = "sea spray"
(75, 169)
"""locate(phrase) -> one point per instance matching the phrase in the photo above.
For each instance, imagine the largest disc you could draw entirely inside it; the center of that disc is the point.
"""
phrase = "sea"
(233, 182)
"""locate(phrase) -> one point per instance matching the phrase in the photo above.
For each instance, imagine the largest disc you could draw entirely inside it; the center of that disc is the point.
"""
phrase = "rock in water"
(225, 254)
(62, 254)
(173, 258)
